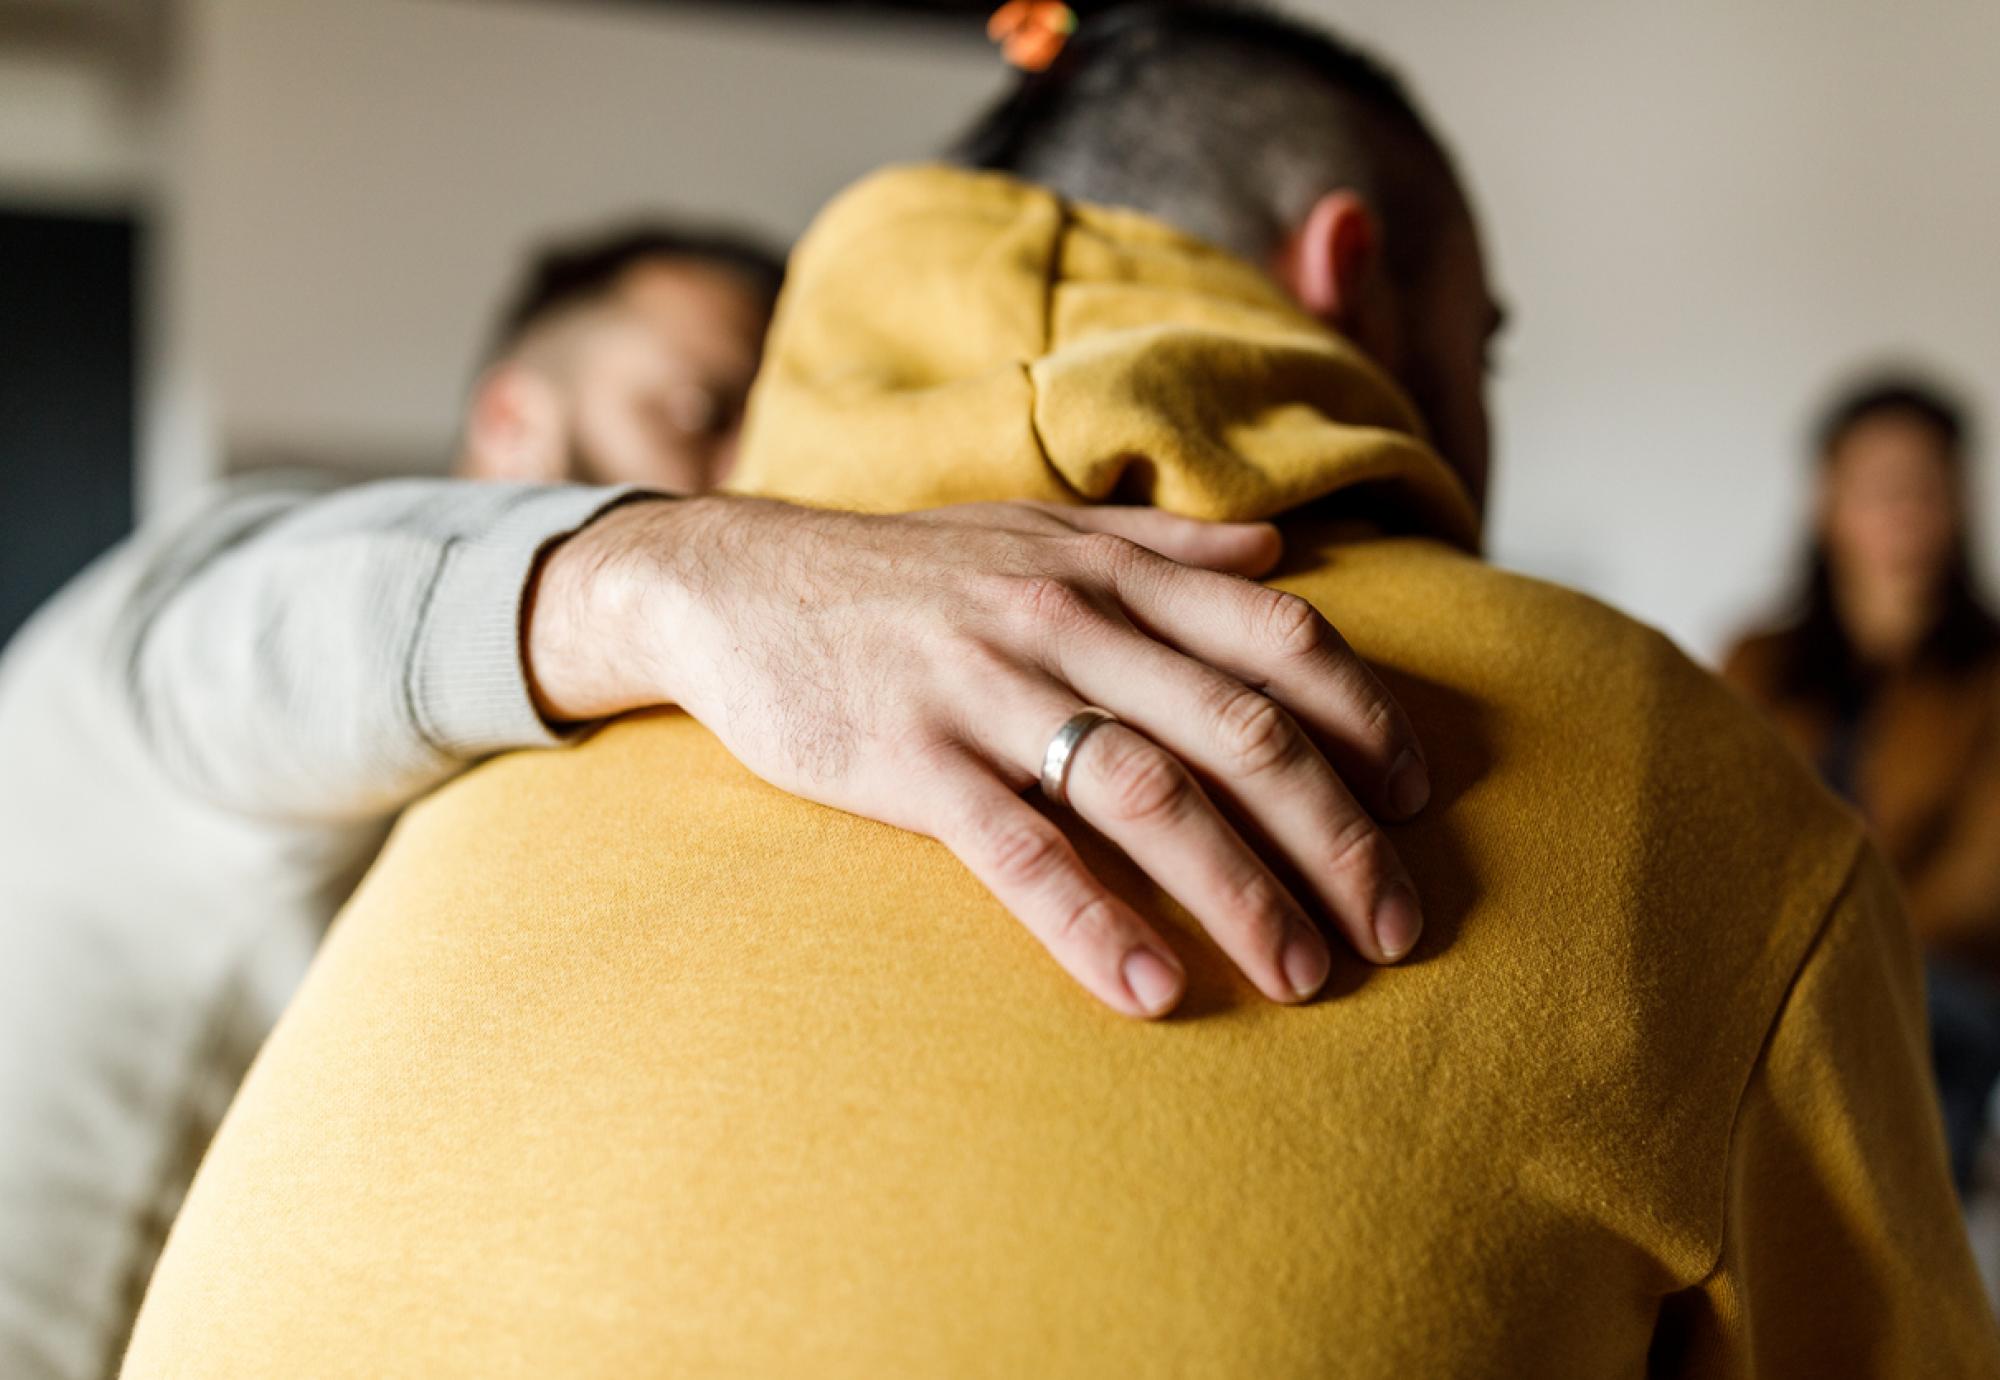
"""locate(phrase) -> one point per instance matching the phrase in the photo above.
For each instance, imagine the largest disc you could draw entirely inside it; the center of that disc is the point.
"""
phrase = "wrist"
(595, 630)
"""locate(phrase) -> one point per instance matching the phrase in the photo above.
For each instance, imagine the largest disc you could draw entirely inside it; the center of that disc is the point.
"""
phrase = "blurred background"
(246, 232)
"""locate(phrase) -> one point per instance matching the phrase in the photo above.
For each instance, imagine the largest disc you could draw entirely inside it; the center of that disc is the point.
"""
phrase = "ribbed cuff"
(468, 678)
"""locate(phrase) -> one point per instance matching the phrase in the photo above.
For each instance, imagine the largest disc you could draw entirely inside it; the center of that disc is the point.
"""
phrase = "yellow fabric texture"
(624, 1063)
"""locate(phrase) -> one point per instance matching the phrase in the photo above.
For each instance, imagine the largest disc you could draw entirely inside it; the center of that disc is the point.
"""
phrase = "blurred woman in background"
(1890, 683)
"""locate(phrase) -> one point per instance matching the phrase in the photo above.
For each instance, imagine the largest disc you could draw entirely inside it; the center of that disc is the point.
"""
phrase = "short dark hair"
(1226, 120)
(1897, 395)
(575, 271)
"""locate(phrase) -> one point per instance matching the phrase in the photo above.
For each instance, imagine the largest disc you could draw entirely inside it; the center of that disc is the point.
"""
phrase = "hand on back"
(915, 668)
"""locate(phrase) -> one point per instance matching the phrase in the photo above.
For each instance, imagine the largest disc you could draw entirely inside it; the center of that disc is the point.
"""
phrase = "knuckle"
(1263, 908)
(1381, 722)
(927, 759)
(1050, 604)
(992, 590)
(1024, 854)
(1145, 784)
(1360, 850)
(1109, 553)
(1089, 920)
(1256, 733)
(1292, 627)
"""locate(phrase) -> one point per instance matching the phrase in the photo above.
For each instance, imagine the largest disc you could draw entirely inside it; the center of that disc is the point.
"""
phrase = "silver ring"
(1062, 750)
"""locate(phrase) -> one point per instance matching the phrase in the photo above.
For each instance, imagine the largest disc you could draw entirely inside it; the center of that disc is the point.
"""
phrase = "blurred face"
(1889, 502)
(645, 386)
(657, 388)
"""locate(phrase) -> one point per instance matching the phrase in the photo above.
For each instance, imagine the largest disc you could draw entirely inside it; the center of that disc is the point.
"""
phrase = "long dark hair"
(1821, 662)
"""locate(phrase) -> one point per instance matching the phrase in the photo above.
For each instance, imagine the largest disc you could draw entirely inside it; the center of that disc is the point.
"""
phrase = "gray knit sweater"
(203, 742)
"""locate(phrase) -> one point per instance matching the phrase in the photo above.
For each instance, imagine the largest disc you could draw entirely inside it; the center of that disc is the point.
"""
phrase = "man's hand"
(913, 669)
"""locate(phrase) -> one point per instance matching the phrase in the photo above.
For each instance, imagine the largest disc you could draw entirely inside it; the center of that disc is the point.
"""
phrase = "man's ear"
(515, 428)
(1333, 267)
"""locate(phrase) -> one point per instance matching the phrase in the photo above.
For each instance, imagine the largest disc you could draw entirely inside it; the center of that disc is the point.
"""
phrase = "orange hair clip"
(1031, 33)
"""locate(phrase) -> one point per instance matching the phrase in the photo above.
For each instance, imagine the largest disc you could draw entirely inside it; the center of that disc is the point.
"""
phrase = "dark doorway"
(68, 398)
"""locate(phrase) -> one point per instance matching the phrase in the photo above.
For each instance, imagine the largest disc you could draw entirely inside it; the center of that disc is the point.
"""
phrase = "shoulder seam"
(1857, 855)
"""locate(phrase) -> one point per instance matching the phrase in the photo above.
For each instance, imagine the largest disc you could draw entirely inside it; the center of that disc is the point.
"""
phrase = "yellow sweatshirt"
(624, 1063)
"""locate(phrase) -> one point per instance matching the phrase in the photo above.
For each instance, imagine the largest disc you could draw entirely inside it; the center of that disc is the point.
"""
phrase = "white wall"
(1702, 213)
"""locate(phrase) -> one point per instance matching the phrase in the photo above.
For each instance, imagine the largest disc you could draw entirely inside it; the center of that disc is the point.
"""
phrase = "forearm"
(335, 656)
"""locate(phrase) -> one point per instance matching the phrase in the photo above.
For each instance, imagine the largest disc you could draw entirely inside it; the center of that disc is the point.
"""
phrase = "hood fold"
(947, 336)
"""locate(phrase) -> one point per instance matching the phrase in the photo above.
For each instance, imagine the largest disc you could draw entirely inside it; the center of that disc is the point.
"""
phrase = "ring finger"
(1144, 800)
(1262, 763)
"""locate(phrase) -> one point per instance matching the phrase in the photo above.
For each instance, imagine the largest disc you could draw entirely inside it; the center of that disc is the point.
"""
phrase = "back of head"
(1227, 121)
(1294, 150)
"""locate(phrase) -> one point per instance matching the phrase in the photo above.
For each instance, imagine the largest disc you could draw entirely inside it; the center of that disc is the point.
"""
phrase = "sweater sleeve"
(1843, 1252)
(330, 656)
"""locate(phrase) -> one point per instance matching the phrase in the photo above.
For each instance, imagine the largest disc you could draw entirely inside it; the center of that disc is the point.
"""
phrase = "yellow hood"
(950, 337)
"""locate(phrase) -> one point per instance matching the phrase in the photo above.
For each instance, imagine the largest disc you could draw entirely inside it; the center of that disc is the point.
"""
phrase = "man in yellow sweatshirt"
(789, 1099)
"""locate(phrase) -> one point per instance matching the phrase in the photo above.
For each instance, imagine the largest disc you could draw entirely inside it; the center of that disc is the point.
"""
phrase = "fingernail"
(1153, 982)
(1409, 785)
(1306, 963)
(1398, 922)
